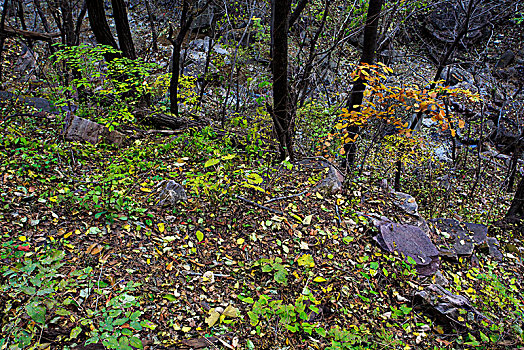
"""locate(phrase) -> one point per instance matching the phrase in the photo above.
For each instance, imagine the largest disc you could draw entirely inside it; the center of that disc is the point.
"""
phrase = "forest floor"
(256, 256)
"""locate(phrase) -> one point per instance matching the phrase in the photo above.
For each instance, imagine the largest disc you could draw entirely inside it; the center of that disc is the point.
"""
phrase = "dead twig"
(259, 205)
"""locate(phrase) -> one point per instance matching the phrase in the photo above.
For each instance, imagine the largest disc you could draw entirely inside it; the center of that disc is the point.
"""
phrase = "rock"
(392, 56)
(439, 279)
(80, 129)
(465, 237)
(493, 249)
(406, 202)
(443, 153)
(410, 241)
(505, 59)
(333, 181)
(455, 308)
(170, 191)
(26, 61)
(202, 45)
(428, 122)
(455, 75)
(39, 103)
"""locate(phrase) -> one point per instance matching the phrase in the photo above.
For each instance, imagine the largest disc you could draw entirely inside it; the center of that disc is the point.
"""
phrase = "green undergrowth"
(87, 252)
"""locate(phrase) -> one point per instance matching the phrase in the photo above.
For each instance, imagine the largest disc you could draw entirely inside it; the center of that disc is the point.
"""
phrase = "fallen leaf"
(208, 276)
(231, 311)
(212, 318)
(307, 220)
(96, 250)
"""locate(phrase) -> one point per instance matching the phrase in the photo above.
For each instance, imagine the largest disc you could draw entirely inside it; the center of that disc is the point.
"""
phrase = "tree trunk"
(357, 92)
(185, 22)
(99, 26)
(69, 37)
(3, 35)
(282, 111)
(122, 28)
(516, 210)
(152, 25)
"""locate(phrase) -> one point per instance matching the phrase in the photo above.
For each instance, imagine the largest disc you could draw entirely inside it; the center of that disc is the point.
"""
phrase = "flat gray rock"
(465, 237)
(454, 307)
(411, 241)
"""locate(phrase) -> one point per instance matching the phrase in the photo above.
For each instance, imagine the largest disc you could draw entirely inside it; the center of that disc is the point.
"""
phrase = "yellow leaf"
(453, 133)
(319, 279)
(231, 311)
(52, 199)
(461, 123)
(161, 227)
(307, 220)
(211, 319)
(22, 238)
(240, 241)
(186, 329)
(145, 189)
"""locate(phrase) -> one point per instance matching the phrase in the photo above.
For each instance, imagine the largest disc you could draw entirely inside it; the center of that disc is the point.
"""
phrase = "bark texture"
(357, 92)
(122, 28)
(282, 111)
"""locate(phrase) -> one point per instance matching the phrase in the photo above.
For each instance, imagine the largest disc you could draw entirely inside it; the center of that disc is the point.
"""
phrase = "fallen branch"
(286, 197)
(11, 31)
(258, 205)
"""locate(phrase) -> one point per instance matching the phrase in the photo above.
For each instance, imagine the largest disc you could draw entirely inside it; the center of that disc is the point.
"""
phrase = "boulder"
(332, 183)
(465, 237)
(170, 192)
(39, 103)
(405, 202)
(412, 242)
(454, 308)
(505, 59)
(80, 129)
(455, 75)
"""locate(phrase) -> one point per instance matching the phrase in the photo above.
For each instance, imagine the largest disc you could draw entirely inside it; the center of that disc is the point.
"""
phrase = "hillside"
(393, 223)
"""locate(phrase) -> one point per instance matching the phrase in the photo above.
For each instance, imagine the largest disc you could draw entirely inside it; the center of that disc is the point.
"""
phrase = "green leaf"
(306, 260)
(321, 331)
(211, 162)
(248, 300)
(136, 343)
(135, 325)
(36, 312)
(411, 260)
(170, 297)
(63, 312)
(127, 332)
(200, 236)
(120, 321)
(111, 342)
(123, 344)
(75, 332)
(291, 328)
(135, 315)
(280, 277)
